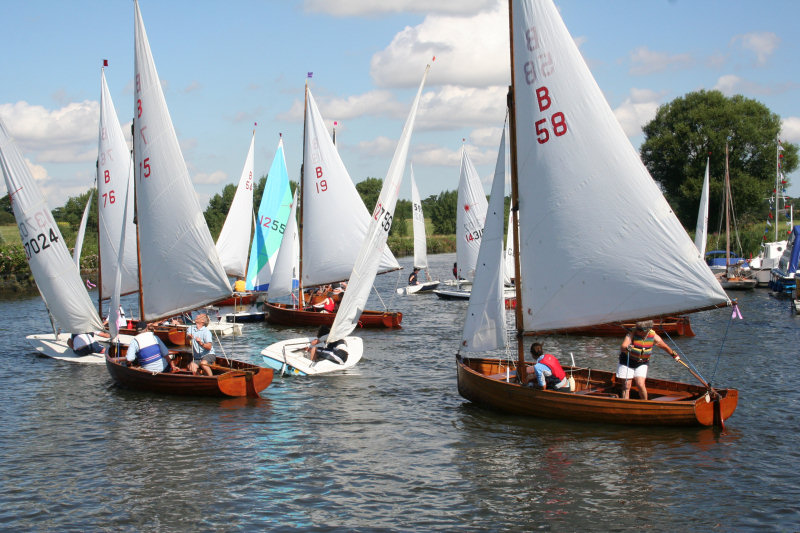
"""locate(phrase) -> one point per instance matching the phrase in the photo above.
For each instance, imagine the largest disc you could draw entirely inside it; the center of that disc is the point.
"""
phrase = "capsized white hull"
(289, 357)
(54, 347)
(225, 328)
(426, 286)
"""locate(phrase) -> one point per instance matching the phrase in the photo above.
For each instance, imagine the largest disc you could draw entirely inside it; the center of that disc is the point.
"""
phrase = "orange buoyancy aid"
(642, 346)
(552, 363)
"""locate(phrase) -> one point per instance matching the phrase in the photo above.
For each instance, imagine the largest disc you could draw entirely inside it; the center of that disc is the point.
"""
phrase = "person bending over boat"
(413, 278)
(331, 351)
(547, 372)
(202, 347)
(82, 344)
(149, 351)
(634, 356)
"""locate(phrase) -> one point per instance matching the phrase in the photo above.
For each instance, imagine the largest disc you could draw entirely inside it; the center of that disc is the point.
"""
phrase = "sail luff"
(170, 219)
(76, 253)
(374, 246)
(701, 230)
(583, 218)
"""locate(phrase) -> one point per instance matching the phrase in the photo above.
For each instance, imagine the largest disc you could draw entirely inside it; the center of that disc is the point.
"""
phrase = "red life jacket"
(552, 363)
(329, 304)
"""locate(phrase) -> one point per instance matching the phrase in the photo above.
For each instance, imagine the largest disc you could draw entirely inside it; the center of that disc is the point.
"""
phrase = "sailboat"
(733, 277)
(58, 280)
(771, 251)
(180, 267)
(333, 223)
(290, 357)
(557, 110)
(470, 215)
(420, 244)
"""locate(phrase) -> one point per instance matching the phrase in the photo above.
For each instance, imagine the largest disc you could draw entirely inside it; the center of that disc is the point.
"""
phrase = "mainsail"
(234, 238)
(701, 232)
(420, 241)
(180, 266)
(335, 220)
(273, 212)
(287, 266)
(374, 247)
(58, 280)
(580, 180)
(470, 215)
(114, 168)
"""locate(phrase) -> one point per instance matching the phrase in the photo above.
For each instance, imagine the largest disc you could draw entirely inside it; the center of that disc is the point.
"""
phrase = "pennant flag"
(310, 74)
(105, 62)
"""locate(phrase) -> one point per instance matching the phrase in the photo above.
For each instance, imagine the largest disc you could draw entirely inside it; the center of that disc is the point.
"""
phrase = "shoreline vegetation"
(16, 277)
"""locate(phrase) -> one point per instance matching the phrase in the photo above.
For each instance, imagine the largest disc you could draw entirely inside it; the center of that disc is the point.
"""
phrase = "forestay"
(58, 280)
(470, 215)
(287, 266)
(418, 221)
(484, 326)
(233, 242)
(273, 212)
(335, 220)
(114, 168)
(374, 247)
(580, 180)
(180, 266)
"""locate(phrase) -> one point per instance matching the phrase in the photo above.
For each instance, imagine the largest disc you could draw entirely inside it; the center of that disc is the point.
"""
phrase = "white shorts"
(626, 372)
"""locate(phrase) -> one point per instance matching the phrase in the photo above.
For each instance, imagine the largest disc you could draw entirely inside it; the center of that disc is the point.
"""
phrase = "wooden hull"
(171, 335)
(238, 299)
(672, 326)
(231, 379)
(671, 403)
(286, 315)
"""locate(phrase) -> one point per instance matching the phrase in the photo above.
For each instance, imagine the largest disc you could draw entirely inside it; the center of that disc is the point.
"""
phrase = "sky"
(227, 66)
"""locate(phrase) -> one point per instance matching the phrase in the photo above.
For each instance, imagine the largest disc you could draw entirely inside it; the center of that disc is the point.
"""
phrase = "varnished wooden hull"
(286, 315)
(171, 335)
(482, 381)
(671, 326)
(236, 379)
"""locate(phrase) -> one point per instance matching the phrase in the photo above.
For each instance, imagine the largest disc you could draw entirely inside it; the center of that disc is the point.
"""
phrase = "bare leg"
(626, 389)
(207, 369)
(639, 382)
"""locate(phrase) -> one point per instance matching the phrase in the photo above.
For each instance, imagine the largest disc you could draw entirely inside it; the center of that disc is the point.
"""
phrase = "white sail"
(470, 214)
(420, 241)
(599, 243)
(53, 269)
(114, 168)
(273, 212)
(335, 220)
(484, 326)
(701, 232)
(76, 253)
(233, 242)
(285, 278)
(374, 247)
(180, 266)
(123, 243)
(508, 263)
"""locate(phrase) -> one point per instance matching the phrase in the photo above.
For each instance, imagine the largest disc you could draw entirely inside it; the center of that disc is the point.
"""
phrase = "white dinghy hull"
(290, 358)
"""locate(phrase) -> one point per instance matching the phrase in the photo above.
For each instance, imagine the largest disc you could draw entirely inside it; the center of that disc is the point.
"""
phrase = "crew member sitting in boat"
(547, 372)
(634, 356)
(240, 285)
(413, 278)
(322, 301)
(331, 352)
(148, 351)
(83, 344)
(202, 345)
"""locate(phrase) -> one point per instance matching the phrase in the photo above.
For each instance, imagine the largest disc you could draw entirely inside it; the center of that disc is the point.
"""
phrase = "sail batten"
(599, 242)
(170, 219)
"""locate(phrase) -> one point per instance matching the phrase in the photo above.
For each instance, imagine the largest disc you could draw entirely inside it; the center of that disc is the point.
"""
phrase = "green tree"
(218, 208)
(684, 132)
(443, 213)
(72, 211)
(369, 190)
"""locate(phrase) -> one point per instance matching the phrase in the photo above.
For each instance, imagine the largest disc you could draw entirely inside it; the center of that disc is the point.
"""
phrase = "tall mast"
(727, 213)
(777, 182)
(136, 220)
(302, 197)
(512, 127)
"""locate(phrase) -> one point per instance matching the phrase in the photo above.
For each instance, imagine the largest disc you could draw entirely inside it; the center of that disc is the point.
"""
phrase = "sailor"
(547, 372)
(634, 356)
(83, 344)
(413, 278)
(150, 351)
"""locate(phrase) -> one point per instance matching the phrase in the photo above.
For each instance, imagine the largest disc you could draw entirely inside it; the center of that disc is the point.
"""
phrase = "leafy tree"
(6, 211)
(72, 211)
(443, 213)
(218, 208)
(369, 190)
(686, 130)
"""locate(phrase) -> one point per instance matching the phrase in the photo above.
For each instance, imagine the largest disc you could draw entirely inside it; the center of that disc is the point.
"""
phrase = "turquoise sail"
(273, 214)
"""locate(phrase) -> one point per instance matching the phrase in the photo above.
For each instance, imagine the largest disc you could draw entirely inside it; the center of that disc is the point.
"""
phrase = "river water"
(391, 446)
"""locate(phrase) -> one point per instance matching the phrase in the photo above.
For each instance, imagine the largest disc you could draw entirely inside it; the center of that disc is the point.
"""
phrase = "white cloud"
(645, 61)
(218, 176)
(486, 136)
(790, 129)
(762, 44)
(456, 107)
(344, 8)
(637, 110)
(470, 51)
(379, 146)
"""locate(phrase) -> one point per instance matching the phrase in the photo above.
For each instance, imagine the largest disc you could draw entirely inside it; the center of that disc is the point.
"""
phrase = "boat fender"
(571, 384)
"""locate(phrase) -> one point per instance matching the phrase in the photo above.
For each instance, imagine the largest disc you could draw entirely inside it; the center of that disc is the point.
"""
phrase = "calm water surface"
(391, 445)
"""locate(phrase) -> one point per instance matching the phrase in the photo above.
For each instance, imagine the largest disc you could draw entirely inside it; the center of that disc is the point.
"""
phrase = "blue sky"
(227, 65)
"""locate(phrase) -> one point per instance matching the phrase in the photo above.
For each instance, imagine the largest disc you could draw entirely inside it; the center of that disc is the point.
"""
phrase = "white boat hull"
(290, 358)
(54, 347)
(426, 286)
